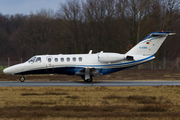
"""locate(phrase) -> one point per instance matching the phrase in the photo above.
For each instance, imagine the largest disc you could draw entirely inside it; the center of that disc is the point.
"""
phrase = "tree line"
(98, 25)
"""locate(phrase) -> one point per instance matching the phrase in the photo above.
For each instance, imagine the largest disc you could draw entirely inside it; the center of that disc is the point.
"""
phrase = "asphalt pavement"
(81, 84)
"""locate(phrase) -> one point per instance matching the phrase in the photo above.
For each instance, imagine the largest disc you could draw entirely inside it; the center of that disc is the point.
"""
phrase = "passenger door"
(49, 64)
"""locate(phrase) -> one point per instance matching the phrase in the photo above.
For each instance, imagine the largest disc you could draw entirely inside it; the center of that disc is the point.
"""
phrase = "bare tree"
(71, 13)
(78, 26)
(46, 13)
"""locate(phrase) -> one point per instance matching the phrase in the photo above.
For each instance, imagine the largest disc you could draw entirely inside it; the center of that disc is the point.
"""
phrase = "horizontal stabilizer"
(172, 33)
(161, 34)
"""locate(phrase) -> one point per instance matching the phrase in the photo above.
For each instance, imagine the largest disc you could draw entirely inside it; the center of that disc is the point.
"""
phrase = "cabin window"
(62, 59)
(32, 60)
(49, 59)
(80, 59)
(38, 60)
(74, 59)
(56, 59)
(68, 59)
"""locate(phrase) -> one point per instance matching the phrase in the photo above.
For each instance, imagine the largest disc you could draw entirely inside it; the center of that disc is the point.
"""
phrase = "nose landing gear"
(22, 78)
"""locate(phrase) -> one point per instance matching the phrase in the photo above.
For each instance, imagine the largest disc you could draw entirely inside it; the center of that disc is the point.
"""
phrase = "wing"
(89, 72)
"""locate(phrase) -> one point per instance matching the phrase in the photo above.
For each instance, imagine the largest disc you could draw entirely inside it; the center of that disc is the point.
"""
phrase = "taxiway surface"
(79, 84)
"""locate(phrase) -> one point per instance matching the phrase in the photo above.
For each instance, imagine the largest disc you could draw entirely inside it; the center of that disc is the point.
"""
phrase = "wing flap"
(92, 72)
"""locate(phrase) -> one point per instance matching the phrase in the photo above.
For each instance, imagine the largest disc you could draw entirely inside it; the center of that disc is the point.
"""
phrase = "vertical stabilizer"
(149, 45)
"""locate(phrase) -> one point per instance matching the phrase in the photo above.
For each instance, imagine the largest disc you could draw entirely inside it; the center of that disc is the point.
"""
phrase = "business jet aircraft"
(89, 65)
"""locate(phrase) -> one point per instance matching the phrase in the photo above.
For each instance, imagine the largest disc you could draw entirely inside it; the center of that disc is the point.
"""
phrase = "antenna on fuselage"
(90, 52)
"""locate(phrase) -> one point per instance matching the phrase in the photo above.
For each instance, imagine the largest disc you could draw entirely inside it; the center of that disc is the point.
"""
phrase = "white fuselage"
(71, 64)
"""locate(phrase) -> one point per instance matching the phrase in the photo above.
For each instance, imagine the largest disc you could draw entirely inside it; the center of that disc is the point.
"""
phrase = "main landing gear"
(88, 80)
(87, 76)
(22, 78)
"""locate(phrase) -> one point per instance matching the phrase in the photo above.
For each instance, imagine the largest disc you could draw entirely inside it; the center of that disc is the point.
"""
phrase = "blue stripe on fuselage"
(114, 64)
(71, 70)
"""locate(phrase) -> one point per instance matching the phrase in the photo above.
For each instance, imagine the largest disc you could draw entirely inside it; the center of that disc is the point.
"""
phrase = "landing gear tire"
(88, 80)
(22, 79)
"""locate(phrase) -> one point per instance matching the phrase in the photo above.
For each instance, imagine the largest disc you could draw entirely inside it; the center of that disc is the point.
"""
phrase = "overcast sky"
(27, 6)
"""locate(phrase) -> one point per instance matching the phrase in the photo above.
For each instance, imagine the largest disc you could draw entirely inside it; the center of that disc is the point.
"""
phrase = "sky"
(26, 7)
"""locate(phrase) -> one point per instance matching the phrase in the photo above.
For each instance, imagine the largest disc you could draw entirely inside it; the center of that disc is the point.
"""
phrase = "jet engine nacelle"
(110, 57)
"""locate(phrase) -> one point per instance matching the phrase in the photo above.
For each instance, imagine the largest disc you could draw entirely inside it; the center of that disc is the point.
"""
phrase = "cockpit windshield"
(32, 60)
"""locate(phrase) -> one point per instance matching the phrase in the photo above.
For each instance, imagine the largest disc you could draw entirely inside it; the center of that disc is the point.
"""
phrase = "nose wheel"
(22, 79)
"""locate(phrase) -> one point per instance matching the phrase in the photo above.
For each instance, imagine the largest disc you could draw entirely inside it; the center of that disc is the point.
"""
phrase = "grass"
(2, 68)
(90, 102)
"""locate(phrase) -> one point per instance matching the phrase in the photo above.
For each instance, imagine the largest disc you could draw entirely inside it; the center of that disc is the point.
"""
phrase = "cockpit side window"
(38, 60)
(32, 60)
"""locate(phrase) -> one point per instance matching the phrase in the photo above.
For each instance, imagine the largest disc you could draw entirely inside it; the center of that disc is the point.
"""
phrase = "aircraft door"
(49, 64)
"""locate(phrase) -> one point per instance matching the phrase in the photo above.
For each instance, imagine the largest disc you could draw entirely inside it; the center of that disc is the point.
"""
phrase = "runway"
(81, 84)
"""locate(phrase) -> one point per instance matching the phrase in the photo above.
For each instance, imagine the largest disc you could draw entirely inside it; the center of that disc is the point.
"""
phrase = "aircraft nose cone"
(7, 71)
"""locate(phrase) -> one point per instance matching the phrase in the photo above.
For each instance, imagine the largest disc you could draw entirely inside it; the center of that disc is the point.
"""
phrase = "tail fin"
(149, 45)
